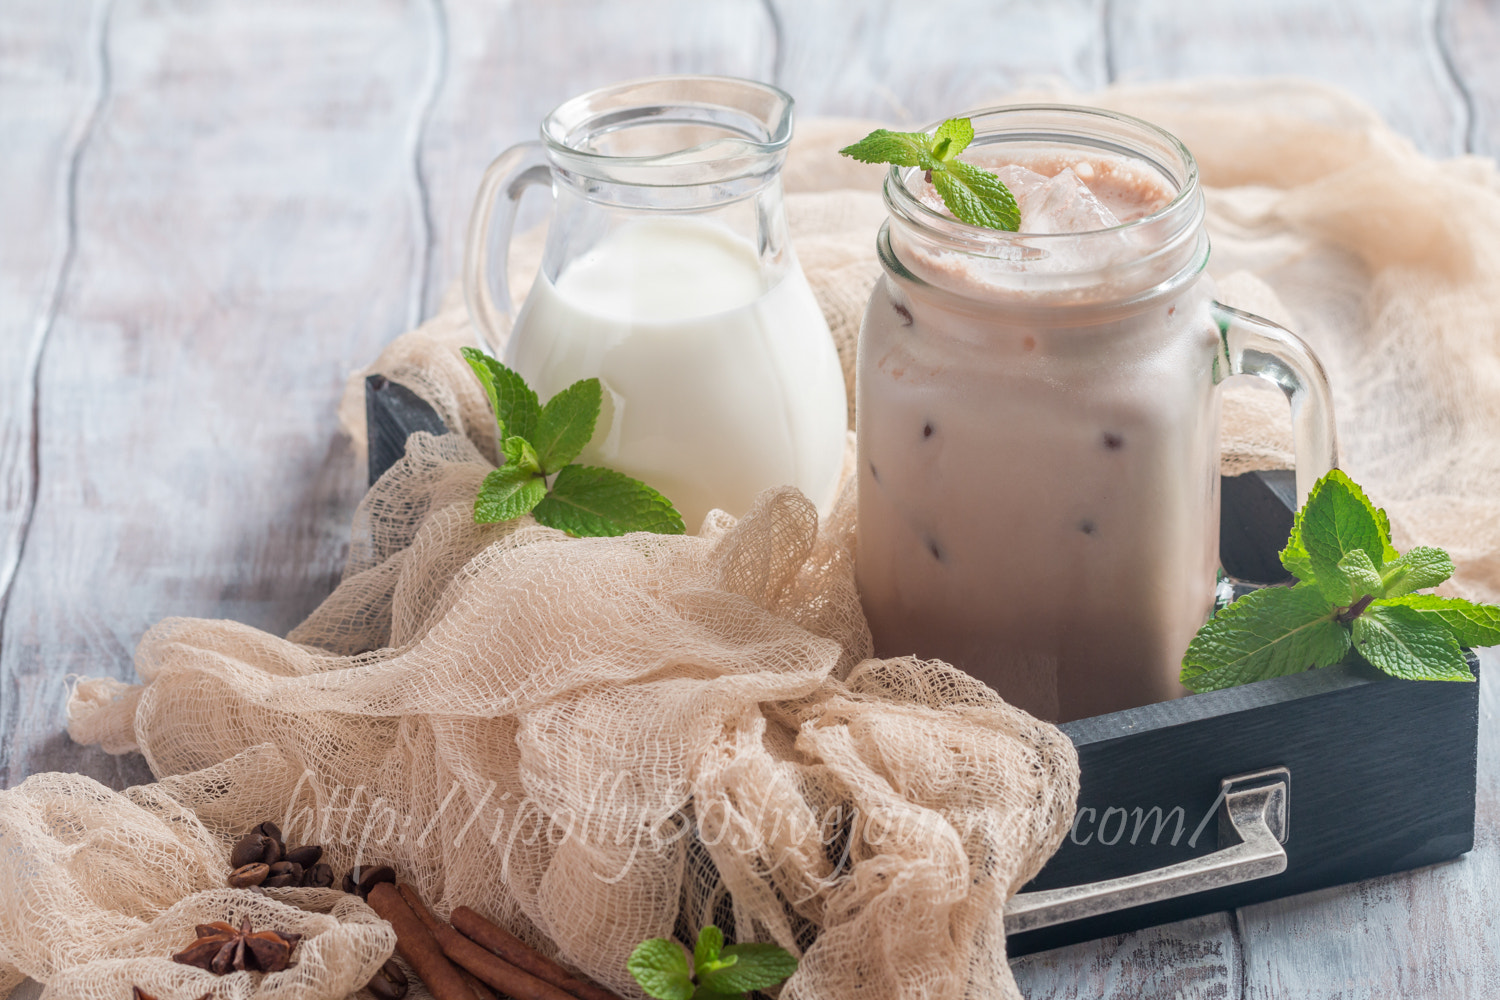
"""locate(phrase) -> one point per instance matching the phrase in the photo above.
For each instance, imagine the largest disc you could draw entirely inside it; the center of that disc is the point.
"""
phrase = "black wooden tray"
(1381, 772)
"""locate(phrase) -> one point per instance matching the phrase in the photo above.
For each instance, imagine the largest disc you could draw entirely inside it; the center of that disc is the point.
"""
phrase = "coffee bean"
(246, 876)
(250, 849)
(306, 856)
(369, 878)
(282, 881)
(287, 868)
(348, 885)
(319, 876)
(389, 983)
(272, 832)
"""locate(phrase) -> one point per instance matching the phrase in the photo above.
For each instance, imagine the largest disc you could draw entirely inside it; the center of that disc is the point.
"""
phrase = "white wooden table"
(212, 211)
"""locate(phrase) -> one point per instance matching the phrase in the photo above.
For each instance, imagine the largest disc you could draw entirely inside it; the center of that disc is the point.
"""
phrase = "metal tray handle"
(1253, 806)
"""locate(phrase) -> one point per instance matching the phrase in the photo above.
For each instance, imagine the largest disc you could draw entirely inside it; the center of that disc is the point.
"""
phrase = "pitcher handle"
(486, 289)
(1255, 346)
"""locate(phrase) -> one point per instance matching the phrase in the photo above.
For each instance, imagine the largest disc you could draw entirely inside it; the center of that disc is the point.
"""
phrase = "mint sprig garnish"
(1354, 592)
(972, 194)
(717, 972)
(538, 444)
(588, 500)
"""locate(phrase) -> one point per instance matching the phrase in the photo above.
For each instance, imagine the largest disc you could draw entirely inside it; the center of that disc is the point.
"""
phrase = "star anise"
(221, 948)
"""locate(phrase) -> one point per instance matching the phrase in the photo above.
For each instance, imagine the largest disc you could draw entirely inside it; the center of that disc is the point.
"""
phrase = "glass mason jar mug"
(1038, 413)
(668, 275)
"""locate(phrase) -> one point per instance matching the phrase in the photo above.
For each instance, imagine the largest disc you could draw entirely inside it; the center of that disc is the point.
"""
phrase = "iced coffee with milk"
(1037, 416)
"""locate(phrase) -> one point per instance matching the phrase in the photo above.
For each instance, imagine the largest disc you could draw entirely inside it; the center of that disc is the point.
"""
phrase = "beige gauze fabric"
(597, 741)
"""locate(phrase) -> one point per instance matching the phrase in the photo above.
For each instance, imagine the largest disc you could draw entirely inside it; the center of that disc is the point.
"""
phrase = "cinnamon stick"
(424, 914)
(418, 946)
(518, 953)
(514, 982)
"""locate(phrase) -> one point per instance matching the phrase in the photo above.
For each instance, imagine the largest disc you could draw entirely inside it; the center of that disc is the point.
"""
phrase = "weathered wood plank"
(508, 65)
(51, 80)
(1471, 38)
(1383, 51)
(914, 63)
(245, 238)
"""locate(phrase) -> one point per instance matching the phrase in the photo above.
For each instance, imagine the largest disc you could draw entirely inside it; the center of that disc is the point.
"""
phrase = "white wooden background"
(212, 210)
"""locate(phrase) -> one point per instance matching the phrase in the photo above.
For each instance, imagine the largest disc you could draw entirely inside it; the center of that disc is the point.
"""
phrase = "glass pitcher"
(668, 275)
(1037, 419)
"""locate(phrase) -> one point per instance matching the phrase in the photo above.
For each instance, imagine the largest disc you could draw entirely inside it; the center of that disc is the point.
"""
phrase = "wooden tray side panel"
(1382, 780)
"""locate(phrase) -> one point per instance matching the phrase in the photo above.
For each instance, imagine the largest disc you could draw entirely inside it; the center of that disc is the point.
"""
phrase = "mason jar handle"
(1253, 815)
(486, 289)
(1254, 346)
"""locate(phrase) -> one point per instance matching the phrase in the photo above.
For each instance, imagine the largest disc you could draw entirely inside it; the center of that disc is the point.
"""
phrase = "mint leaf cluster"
(972, 194)
(717, 971)
(1354, 592)
(538, 444)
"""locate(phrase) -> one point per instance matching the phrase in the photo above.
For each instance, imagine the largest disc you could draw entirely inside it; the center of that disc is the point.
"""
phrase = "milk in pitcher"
(716, 387)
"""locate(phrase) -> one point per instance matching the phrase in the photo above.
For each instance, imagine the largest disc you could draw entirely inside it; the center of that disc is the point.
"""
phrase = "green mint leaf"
(952, 137)
(593, 502)
(514, 402)
(710, 941)
(479, 362)
(519, 455)
(566, 423)
(1416, 569)
(1387, 550)
(973, 194)
(661, 967)
(976, 196)
(1266, 633)
(507, 493)
(904, 149)
(1296, 560)
(1471, 625)
(1295, 557)
(756, 967)
(1357, 577)
(1404, 643)
(704, 993)
(1336, 520)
